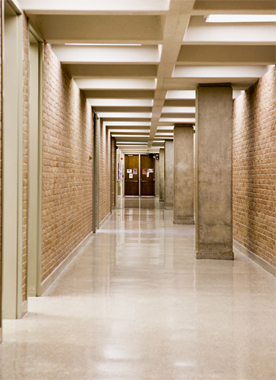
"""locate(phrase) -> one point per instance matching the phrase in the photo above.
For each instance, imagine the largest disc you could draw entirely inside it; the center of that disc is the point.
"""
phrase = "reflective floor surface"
(136, 305)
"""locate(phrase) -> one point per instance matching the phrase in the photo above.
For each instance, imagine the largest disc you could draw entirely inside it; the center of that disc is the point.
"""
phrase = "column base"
(189, 220)
(214, 253)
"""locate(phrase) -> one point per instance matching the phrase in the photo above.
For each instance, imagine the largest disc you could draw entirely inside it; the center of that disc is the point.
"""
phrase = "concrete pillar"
(161, 174)
(156, 177)
(214, 172)
(169, 175)
(183, 206)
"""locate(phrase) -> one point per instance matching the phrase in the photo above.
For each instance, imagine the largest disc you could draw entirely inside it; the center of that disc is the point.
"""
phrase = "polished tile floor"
(136, 305)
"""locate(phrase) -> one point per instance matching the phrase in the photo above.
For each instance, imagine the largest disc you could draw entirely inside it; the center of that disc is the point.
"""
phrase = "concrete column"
(183, 206)
(214, 172)
(156, 178)
(161, 174)
(169, 175)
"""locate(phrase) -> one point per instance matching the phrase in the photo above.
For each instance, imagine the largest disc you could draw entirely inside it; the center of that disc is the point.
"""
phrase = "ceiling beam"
(58, 29)
(227, 55)
(111, 70)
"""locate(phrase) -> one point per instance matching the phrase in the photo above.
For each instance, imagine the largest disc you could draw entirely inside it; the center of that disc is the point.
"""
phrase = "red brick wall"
(113, 170)
(105, 155)
(254, 168)
(67, 171)
(25, 156)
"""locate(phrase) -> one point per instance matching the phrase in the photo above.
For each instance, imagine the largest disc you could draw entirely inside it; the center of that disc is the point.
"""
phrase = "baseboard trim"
(258, 260)
(104, 220)
(24, 308)
(54, 275)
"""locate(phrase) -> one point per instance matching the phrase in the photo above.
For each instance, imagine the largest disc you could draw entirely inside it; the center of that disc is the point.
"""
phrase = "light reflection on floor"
(135, 304)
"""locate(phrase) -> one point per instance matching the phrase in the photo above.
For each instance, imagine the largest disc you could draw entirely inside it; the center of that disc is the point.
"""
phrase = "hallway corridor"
(136, 305)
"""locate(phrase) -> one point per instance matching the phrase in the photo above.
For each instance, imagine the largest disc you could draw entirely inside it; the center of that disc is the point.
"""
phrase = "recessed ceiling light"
(241, 18)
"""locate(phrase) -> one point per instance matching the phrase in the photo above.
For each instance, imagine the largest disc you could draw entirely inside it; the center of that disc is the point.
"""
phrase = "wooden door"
(132, 175)
(147, 176)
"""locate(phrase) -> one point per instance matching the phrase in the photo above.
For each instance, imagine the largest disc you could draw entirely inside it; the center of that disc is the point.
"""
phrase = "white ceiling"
(141, 60)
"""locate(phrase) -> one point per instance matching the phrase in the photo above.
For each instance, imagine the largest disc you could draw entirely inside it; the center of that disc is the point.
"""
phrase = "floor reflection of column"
(135, 304)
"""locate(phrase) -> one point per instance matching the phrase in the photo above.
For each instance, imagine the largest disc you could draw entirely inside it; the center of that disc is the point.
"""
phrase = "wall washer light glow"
(241, 18)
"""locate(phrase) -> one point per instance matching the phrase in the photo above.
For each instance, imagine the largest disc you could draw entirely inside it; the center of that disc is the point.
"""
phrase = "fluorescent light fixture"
(178, 110)
(147, 54)
(129, 146)
(129, 143)
(171, 127)
(255, 71)
(191, 94)
(115, 83)
(164, 134)
(174, 120)
(135, 149)
(122, 115)
(129, 130)
(146, 136)
(121, 102)
(128, 123)
(241, 18)
(87, 44)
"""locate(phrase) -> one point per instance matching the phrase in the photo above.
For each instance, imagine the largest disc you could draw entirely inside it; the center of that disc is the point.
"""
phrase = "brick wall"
(67, 171)
(254, 168)
(25, 156)
(105, 156)
(113, 170)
